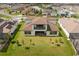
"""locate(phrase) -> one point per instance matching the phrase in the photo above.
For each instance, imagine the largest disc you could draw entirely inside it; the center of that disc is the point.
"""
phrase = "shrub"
(30, 40)
(33, 44)
(50, 39)
(52, 42)
(58, 44)
(27, 47)
(13, 42)
(2, 41)
(18, 43)
(56, 41)
(60, 40)
(75, 16)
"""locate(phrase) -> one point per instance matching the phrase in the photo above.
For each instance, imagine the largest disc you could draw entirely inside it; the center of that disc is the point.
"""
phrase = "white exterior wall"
(67, 34)
(47, 33)
(32, 32)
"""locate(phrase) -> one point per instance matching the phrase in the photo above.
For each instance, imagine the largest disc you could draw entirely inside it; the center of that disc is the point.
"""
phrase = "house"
(7, 26)
(65, 13)
(36, 8)
(49, 12)
(46, 12)
(4, 6)
(32, 10)
(7, 29)
(70, 27)
(16, 8)
(41, 27)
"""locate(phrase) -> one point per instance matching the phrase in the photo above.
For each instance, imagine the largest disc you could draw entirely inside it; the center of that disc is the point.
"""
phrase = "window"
(54, 32)
(27, 32)
(39, 27)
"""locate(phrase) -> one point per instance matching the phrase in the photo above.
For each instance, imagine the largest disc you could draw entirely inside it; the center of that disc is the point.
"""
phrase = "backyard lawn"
(38, 46)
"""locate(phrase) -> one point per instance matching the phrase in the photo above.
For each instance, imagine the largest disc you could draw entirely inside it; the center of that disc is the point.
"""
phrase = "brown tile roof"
(28, 27)
(53, 27)
(40, 21)
(51, 22)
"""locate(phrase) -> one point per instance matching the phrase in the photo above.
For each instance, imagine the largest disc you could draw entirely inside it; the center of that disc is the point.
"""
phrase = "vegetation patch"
(4, 16)
(13, 41)
(27, 47)
(75, 16)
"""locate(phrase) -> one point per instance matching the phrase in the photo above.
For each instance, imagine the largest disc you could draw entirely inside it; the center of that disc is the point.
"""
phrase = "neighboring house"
(41, 27)
(7, 29)
(17, 18)
(32, 10)
(46, 12)
(71, 27)
(49, 12)
(4, 6)
(65, 13)
(17, 8)
(36, 8)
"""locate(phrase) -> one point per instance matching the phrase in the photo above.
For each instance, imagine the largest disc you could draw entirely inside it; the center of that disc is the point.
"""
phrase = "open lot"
(36, 45)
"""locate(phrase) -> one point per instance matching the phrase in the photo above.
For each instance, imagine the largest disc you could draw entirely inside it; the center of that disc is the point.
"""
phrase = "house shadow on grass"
(6, 46)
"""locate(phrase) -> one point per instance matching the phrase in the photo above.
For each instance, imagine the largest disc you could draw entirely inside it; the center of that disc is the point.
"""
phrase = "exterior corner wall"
(45, 26)
(32, 27)
(57, 33)
(32, 32)
(47, 33)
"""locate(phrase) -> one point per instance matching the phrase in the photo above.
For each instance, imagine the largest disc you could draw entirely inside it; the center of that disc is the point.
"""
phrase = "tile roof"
(70, 24)
(28, 27)
(51, 22)
(53, 27)
(40, 21)
(6, 26)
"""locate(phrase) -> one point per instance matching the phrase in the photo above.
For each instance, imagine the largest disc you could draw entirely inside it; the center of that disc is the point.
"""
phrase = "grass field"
(39, 46)
(4, 16)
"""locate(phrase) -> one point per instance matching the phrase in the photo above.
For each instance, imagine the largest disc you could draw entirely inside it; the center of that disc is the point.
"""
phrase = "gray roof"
(74, 36)
(6, 26)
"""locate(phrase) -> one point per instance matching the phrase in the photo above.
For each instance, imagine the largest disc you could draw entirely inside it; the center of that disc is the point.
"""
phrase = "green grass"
(39, 46)
(4, 16)
(76, 16)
